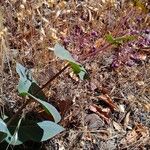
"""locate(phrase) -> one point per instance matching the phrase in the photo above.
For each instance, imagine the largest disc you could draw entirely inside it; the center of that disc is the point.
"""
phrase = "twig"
(55, 76)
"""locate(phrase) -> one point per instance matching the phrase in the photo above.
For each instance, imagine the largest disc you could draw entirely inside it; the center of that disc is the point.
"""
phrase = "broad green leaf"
(50, 129)
(63, 54)
(36, 91)
(3, 130)
(40, 131)
(25, 80)
(48, 108)
(35, 131)
(75, 67)
(24, 72)
(23, 86)
(27, 84)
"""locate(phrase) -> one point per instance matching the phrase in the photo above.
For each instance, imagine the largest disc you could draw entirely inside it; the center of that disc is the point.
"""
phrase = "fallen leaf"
(139, 134)
(117, 126)
(126, 120)
(131, 137)
(147, 107)
(142, 56)
(98, 110)
(93, 86)
(108, 101)
(131, 97)
(74, 76)
(100, 42)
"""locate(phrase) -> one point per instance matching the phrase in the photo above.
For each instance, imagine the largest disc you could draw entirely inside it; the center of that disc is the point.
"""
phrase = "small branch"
(28, 101)
(55, 76)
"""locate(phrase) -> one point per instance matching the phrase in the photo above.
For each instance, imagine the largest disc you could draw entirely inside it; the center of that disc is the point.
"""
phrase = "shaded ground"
(110, 110)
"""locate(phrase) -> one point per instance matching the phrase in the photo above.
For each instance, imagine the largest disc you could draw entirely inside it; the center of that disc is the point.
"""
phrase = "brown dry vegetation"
(108, 111)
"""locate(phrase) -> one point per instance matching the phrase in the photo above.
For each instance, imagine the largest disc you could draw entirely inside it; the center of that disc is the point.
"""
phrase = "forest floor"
(108, 111)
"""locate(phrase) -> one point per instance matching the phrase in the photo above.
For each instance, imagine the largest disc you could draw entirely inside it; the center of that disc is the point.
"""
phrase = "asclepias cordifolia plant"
(16, 130)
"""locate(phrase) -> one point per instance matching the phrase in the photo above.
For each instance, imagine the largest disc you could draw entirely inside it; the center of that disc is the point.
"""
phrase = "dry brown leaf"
(108, 100)
(147, 107)
(142, 56)
(62, 4)
(131, 137)
(131, 97)
(98, 110)
(74, 76)
(126, 120)
(139, 134)
(117, 126)
(64, 33)
(99, 43)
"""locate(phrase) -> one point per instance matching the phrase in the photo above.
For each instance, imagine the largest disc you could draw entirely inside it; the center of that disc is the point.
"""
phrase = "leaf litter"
(109, 110)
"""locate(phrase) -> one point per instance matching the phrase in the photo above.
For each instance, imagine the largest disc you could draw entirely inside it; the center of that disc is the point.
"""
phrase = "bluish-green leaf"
(35, 131)
(23, 86)
(27, 84)
(25, 80)
(24, 72)
(21, 70)
(3, 130)
(63, 54)
(11, 139)
(48, 108)
(50, 129)
(41, 131)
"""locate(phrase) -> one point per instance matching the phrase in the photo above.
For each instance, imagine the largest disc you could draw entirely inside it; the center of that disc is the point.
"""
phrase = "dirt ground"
(108, 111)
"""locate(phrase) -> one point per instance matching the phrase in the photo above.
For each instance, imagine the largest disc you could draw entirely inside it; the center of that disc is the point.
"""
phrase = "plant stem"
(28, 101)
(55, 76)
